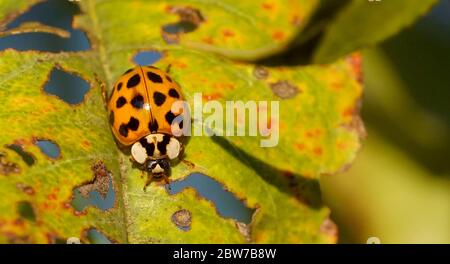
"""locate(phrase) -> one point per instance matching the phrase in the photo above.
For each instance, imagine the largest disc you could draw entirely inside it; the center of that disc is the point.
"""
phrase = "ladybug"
(141, 116)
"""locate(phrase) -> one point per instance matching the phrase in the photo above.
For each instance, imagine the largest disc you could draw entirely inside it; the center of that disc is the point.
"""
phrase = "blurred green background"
(398, 189)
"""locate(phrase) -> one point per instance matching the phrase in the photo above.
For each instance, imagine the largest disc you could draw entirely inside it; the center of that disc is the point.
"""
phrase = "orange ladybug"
(141, 116)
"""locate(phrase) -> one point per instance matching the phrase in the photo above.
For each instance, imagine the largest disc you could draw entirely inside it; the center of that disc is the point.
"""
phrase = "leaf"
(8, 9)
(365, 23)
(319, 134)
(35, 27)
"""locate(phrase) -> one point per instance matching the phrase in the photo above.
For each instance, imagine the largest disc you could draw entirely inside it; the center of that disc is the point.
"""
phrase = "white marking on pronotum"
(173, 148)
(138, 153)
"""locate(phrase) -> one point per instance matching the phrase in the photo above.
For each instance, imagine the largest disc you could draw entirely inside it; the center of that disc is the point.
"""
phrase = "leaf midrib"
(102, 54)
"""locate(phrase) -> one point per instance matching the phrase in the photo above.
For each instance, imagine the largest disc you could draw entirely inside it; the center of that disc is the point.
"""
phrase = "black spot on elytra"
(149, 147)
(181, 124)
(133, 124)
(169, 117)
(119, 86)
(111, 118)
(168, 78)
(133, 81)
(154, 77)
(123, 130)
(121, 102)
(159, 98)
(153, 126)
(128, 71)
(138, 101)
(162, 146)
(173, 93)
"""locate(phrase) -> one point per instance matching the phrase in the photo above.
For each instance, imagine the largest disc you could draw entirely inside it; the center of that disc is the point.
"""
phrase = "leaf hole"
(26, 211)
(66, 86)
(149, 57)
(189, 20)
(99, 193)
(226, 203)
(49, 148)
(27, 157)
(55, 13)
(96, 237)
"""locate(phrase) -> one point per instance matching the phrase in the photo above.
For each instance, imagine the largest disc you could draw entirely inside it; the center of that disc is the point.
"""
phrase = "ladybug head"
(157, 167)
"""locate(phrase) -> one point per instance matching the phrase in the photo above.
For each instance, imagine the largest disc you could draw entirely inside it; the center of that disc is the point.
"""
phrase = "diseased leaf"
(319, 131)
(8, 9)
(35, 27)
(364, 23)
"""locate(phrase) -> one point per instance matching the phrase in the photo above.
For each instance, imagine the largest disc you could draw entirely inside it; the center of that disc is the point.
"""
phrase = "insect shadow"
(304, 189)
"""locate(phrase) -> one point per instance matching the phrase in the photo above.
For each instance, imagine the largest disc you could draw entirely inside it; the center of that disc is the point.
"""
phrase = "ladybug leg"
(167, 181)
(105, 100)
(103, 90)
(189, 164)
(149, 180)
(168, 68)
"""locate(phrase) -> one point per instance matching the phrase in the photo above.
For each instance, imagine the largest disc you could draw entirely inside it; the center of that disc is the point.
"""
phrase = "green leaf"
(365, 23)
(9, 9)
(319, 133)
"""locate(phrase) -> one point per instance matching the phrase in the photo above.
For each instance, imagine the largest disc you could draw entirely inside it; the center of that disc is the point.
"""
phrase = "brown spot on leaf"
(278, 35)
(212, 96)
(245, 230)
(356, 125)
(284, 89)
(208, 40)
(52, 196)
(86, 144)
(100, 183)
(355, 61)
(189, 20)
(13, 238)
(78, 213)
(260, 72)
(227, 33)
(267, 6)
(182, 219)
(329, 228)
(7, 167)
(318, 151)
(25, 188)
(295, 20)
(55, 239)
(300, 146)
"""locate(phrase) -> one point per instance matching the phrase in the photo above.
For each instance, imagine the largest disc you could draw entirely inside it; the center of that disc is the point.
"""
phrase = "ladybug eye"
(152, 164)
